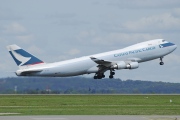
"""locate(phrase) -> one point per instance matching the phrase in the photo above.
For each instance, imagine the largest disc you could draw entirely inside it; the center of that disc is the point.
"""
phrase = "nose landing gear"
(161, 59)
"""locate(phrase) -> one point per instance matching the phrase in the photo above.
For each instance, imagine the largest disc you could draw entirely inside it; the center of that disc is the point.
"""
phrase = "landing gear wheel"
(103, 76)
(99, 77)
(161, 63)
(111, 76)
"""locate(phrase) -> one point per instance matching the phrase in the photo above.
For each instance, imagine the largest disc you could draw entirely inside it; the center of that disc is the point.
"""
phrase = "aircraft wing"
(102, 62)
(103, 66)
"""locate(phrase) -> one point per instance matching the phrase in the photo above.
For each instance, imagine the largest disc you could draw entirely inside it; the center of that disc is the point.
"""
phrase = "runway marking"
(49, 118)
(9, 113)
(22, 106)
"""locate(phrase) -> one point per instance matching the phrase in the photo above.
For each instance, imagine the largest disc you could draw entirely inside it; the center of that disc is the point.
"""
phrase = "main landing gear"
(161, 59)
(111, 74)
(99, 76)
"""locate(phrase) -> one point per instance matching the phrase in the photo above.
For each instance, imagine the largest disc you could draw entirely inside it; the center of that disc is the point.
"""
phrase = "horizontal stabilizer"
(27, 72)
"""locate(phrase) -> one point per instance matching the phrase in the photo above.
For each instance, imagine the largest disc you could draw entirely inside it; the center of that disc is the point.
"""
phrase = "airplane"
(126, 58)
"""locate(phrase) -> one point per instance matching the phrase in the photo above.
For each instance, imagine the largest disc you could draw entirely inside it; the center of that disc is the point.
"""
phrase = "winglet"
(95, 59)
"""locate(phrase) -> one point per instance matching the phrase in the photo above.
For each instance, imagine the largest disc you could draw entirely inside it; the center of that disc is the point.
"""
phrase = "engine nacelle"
(132, 65)
(123, 65)
(119, 65)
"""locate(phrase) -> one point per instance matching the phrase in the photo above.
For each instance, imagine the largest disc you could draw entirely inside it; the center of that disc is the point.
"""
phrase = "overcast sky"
(56, 30)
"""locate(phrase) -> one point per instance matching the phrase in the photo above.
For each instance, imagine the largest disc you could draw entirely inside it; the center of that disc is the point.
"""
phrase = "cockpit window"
(163, 40)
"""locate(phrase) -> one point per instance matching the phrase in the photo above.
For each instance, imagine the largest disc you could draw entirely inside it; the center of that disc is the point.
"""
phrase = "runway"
(90, 117)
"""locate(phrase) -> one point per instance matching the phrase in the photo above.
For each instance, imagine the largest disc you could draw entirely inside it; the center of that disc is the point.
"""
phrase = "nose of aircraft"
(173, 47)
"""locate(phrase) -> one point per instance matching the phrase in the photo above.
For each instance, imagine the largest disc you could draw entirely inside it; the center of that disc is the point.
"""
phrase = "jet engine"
(123, 65)
(132, 65)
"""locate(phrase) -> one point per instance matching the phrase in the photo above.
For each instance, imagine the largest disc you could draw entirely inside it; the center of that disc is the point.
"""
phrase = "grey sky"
(56, 30)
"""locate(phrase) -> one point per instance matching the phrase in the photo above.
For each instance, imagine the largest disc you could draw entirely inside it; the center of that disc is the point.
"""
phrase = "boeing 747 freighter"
(126, 58)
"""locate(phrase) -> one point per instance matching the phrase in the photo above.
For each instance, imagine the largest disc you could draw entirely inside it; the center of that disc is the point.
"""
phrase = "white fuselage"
(140, 52)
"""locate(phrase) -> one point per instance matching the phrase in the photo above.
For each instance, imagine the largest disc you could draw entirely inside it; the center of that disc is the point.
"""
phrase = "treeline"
(81, 85)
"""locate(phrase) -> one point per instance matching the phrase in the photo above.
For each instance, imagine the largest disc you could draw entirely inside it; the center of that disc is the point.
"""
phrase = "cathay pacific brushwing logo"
(20, 58)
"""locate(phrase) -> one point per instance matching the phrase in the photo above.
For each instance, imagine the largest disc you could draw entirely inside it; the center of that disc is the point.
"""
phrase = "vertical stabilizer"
(21, 57)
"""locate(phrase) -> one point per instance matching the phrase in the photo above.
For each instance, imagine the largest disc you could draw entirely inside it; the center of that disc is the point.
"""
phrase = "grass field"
(90, 104)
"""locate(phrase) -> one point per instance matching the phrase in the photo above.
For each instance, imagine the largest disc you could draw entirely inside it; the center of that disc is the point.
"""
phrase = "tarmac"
(90, 117)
